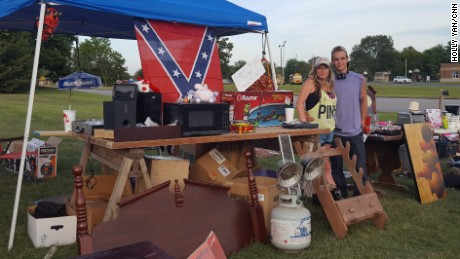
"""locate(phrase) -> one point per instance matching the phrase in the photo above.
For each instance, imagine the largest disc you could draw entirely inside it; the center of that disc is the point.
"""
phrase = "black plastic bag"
(48, 209)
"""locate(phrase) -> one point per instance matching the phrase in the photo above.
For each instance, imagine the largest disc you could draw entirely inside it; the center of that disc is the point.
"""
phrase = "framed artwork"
(425, 162)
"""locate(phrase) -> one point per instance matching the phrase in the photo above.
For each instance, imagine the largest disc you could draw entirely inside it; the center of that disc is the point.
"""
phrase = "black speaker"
(149, 105)
(119, 114)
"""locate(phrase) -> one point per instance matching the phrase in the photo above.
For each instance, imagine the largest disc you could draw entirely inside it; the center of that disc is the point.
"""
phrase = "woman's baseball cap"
(322, 61)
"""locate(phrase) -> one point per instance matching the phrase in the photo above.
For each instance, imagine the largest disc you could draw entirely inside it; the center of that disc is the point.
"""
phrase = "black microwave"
(198, 119)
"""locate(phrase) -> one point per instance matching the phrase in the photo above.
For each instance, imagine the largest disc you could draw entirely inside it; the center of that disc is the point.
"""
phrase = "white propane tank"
(290, 225)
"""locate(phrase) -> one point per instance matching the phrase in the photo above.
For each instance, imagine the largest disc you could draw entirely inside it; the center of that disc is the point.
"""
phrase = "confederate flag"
(175, 57)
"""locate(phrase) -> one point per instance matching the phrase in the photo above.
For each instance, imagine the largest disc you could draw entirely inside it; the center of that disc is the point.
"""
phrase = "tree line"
(60, 57)
(376, 54)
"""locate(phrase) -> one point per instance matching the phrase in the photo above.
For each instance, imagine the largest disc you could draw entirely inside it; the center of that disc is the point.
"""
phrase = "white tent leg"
(33, 82)
(275, 83)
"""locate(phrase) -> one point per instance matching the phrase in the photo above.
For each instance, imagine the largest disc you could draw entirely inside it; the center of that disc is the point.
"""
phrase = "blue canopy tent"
(114, 19)
(79, 80)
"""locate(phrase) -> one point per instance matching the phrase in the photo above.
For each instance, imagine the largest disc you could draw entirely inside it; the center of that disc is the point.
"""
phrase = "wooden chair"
(176, 222)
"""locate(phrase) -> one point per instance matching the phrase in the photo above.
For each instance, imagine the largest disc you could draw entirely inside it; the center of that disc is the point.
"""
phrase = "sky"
(313, 28)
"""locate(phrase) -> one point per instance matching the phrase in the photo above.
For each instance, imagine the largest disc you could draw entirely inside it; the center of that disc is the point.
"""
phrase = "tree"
(225, 53)
(432, 58)
(55, 57)
(296, 66)
(412, 60)
(98, 58)
(373, 54)
(235, 67)
(16, 59)
(138, 74)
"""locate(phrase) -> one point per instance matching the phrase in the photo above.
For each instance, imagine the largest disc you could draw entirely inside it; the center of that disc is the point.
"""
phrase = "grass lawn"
(414, 90)
(412, 231)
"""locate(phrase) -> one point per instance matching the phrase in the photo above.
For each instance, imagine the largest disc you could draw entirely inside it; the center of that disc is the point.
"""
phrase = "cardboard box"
(95, 211)
(272, 108)
(267, 108)
(243, 105)
(48, 232)
(187, 152)
(234, 153)
(213, 167)
(97, 197)
(46, 158)
(163, 169)
(267, 189)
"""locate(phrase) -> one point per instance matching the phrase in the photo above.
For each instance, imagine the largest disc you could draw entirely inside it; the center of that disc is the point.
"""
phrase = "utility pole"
(405, 67)
(281, 61)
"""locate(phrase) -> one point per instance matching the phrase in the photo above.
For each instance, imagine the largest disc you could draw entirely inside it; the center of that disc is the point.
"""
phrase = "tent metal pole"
(33, 82)
(275, 83)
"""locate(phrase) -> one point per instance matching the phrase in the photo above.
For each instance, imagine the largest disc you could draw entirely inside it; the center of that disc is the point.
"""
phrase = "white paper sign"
(248, 74)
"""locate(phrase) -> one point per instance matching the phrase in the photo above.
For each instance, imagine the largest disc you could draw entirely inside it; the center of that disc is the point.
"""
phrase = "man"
(350, 114)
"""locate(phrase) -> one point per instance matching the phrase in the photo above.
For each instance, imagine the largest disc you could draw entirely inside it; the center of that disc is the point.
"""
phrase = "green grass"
(412, 231)
(414, 90)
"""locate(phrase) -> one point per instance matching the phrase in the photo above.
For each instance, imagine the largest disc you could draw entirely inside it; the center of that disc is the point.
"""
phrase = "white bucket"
(69, 117)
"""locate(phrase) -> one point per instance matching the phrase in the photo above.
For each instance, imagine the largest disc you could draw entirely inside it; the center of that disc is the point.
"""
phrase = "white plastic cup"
(69, 117)
(289, 114)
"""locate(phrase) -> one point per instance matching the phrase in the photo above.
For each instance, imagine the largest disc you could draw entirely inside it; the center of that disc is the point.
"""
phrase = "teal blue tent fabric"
(79, 80)
(114, 18)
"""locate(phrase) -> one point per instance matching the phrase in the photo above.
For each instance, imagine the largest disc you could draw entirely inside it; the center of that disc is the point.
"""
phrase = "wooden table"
(382, 155)
(127, 158)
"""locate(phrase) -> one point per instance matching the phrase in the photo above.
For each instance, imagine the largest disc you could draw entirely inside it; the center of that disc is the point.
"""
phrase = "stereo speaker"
(149, 105)
(119, 114)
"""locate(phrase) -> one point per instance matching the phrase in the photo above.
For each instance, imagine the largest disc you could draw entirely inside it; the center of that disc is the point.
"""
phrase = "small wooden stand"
(350, 211)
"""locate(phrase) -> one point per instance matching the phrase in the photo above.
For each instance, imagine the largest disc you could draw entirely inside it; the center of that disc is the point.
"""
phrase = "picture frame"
(428, 177)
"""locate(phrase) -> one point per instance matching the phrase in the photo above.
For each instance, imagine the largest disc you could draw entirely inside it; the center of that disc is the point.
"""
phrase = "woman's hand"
(308, 117)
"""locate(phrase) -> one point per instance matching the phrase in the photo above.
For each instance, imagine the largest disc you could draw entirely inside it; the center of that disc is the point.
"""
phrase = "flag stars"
(145, 28)
(210, 37)
(204, 55)
(198, 74)
(161, 51)
(176, 73)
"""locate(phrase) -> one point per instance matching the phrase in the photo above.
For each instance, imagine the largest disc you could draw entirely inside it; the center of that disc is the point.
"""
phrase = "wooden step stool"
(350, 211)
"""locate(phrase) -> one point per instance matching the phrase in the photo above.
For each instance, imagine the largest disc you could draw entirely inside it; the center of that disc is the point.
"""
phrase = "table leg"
(382, 157)
(85, 156)
(386, 165)
(145, 175)
(112, 208)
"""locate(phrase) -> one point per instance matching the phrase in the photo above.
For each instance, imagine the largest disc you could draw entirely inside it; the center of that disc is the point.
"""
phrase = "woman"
(316, 103)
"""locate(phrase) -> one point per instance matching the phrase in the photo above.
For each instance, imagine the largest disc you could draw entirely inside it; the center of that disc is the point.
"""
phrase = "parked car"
(401, 80)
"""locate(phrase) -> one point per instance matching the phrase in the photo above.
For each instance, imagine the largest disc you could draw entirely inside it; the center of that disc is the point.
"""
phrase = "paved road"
(383, 104)
(401, 104)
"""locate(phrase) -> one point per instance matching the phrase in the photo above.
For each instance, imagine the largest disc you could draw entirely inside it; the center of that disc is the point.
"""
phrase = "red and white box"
(46, 157)
(272, 107)
(243, 105)
(265, 109)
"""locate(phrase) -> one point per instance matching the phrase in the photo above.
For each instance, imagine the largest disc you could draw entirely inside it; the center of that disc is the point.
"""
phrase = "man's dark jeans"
(356, 148)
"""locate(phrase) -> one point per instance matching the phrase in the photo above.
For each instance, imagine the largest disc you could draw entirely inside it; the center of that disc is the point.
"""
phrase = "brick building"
(450, 73)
